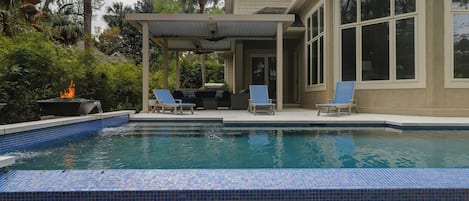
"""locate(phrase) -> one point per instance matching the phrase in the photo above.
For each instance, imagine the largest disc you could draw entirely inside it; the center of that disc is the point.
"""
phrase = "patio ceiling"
(203, 32)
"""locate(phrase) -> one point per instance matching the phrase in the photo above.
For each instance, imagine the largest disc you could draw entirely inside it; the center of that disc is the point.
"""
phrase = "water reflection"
(151, 146)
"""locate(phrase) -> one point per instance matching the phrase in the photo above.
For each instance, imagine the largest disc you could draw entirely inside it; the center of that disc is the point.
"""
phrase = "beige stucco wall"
(252, 6)
(433, 100)
(228, 70)
(310, 98)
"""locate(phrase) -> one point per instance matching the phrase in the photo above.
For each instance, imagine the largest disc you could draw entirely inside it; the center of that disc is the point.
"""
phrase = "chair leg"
(338, 111)
(192, 109)
(254, 109)
(273, 110)
(319, 110)
(349, 109)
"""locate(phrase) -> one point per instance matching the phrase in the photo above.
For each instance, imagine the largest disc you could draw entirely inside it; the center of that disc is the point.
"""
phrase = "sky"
(98, 20)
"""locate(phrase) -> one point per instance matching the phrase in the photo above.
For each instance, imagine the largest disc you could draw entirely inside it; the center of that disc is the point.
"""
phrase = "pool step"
(6, 161)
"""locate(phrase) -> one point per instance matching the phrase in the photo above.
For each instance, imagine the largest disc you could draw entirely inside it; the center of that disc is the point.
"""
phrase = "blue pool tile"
(240, 184)
(39, 137)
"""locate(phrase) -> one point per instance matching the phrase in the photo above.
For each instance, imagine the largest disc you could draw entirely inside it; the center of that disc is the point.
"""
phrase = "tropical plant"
(68, 29)
(116, 14)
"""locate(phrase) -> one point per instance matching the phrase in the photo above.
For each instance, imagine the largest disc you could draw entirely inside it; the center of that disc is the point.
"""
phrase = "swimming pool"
(152, 145)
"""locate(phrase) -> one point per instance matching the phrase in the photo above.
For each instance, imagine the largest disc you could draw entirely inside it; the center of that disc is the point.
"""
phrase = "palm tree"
(68, 30)
(116, 14)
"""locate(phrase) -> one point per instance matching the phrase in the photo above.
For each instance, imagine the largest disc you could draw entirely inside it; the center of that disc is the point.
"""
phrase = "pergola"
(206, 33)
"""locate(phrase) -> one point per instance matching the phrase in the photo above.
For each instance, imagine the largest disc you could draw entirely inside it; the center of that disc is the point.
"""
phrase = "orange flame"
(70, 92)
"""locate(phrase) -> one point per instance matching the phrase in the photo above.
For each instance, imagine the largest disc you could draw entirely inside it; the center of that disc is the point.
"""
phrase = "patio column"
(165, 64)
(146, 67)
(202, 63)
(178, 74)
(279, 67)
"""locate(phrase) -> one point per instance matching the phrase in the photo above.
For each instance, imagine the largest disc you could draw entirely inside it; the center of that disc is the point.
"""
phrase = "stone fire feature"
(67, 106)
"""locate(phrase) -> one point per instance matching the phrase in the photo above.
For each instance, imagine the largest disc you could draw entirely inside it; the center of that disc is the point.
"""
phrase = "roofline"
(295, 5)
(210, 17)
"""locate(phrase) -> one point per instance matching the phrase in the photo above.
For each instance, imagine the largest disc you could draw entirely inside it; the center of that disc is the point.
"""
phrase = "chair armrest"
(270, 100)
(178, 100)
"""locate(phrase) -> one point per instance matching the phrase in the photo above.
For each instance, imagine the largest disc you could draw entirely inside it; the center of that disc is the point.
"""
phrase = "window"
(378, 41)
(315, 48)
(457, 44)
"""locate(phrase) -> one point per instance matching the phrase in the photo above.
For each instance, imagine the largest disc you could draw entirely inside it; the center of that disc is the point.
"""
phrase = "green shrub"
(34, 68)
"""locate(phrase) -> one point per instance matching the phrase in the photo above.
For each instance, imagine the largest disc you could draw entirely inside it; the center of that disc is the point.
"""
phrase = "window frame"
(419, 47)
(450, 81)
(308, 68)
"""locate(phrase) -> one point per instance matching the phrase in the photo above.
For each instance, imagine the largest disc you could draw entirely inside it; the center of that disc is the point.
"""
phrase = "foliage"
(191, 71)
(34, 68)
(110, 41)
(190, 6)
(116, 14)
(166, 6)
(37, 63)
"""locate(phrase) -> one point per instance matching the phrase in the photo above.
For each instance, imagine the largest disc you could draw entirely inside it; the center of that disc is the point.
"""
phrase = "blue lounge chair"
(343, 98)
(260, 98)
(165, 100)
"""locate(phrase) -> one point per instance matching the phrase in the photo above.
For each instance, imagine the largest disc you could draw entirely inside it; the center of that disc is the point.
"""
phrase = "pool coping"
(40, 124)
(338, 123)
(6, 161)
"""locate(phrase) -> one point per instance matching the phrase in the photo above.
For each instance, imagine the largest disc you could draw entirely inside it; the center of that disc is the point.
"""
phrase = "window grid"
(315, 36)
(391, 19)
(457, 75)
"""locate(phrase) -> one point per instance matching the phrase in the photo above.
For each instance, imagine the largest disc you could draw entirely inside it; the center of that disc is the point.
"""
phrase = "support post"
(178, 73)
(279, 67)
(146, 66)
(165, 64)
(202, 62)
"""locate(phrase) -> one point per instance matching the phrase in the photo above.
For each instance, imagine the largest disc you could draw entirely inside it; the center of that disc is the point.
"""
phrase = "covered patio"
(202, 33)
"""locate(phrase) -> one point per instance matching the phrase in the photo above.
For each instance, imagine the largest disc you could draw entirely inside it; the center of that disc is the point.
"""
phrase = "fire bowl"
(67, 106)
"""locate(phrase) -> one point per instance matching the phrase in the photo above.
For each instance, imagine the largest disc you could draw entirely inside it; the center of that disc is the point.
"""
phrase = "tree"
(201, 4)
(68, 29)
(167, 6)
(87, 16)
(126, 39)
(116, 14)
(189, 5)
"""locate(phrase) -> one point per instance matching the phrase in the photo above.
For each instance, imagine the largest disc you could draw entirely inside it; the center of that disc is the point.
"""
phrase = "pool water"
(153, 145)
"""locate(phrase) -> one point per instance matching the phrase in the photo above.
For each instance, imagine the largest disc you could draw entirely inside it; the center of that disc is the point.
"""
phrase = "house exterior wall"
(250, 6)
(429, 95)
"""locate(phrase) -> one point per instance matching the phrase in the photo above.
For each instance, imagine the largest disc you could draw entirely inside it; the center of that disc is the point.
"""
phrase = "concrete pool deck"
(306, 116)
